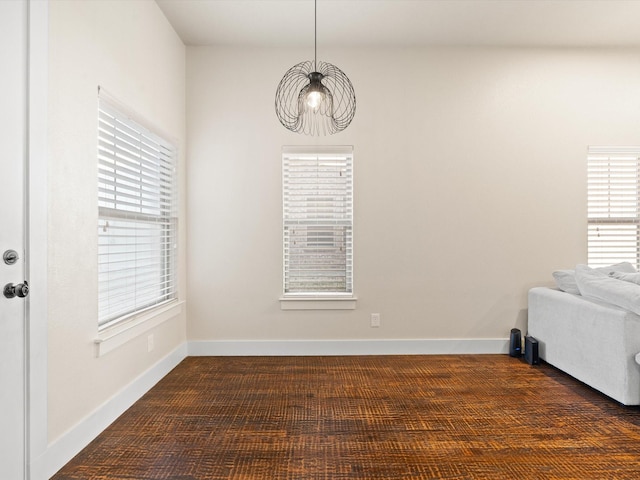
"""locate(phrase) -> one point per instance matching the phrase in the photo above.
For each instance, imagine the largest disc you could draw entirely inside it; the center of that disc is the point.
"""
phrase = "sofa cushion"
(566, 279)
(597, 284)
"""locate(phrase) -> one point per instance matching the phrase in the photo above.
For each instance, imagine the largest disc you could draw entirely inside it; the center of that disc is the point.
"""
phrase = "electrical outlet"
(375, 320)
(150, 343)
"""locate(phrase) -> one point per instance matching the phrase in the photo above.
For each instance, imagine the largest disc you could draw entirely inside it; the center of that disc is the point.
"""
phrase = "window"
(137, 225)
(318, 221)
(613, 205)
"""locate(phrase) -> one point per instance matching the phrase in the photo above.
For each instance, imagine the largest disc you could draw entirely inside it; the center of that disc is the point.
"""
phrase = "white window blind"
(318, 220)
(613, 205)
(137, 226)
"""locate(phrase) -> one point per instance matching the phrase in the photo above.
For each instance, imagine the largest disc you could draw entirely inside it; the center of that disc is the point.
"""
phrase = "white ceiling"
(542, 23)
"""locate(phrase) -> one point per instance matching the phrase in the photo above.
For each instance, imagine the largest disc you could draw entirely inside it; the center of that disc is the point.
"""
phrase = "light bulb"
(314, 99)
(315, 91)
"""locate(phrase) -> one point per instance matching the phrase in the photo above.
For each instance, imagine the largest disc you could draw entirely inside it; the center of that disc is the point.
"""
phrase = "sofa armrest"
(593, 341)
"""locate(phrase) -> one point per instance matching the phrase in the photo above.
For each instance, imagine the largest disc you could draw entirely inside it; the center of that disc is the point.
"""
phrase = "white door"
(13, 157)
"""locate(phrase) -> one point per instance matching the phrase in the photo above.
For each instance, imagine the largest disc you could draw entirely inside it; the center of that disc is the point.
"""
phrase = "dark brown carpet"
(366, 417)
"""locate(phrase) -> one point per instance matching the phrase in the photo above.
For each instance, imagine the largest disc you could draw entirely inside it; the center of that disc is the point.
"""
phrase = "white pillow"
(624, 267)
(599, 285)
(627, 277)
(566, 279)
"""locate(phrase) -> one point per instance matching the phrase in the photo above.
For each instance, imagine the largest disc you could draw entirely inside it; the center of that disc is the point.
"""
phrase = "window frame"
(613, 205)
(327, 222)
(137, 192)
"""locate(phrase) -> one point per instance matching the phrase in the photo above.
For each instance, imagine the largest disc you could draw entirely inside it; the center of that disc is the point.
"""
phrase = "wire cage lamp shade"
(315, 98)
(318, 101)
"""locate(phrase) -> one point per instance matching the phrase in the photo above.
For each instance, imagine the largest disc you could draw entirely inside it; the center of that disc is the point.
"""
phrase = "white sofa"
(588, 338)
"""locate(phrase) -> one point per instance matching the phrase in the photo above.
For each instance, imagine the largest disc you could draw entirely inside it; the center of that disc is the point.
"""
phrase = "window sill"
(334, 302)
(112, 338)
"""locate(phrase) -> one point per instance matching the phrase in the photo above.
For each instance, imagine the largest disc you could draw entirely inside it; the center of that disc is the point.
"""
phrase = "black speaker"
(515, 343)
(531, 350)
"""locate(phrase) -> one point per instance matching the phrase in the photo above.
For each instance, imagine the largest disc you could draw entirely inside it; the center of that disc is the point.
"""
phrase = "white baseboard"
(348, 347)
(71, 443)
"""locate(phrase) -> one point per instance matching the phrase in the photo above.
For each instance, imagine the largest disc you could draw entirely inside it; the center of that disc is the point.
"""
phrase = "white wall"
(469, 184)
(129, 49)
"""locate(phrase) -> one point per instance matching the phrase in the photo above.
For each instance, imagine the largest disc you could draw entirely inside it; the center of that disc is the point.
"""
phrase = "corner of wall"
(75, 439)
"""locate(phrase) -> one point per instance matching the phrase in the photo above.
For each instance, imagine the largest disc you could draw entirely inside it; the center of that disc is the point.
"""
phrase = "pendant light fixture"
(315, 98)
